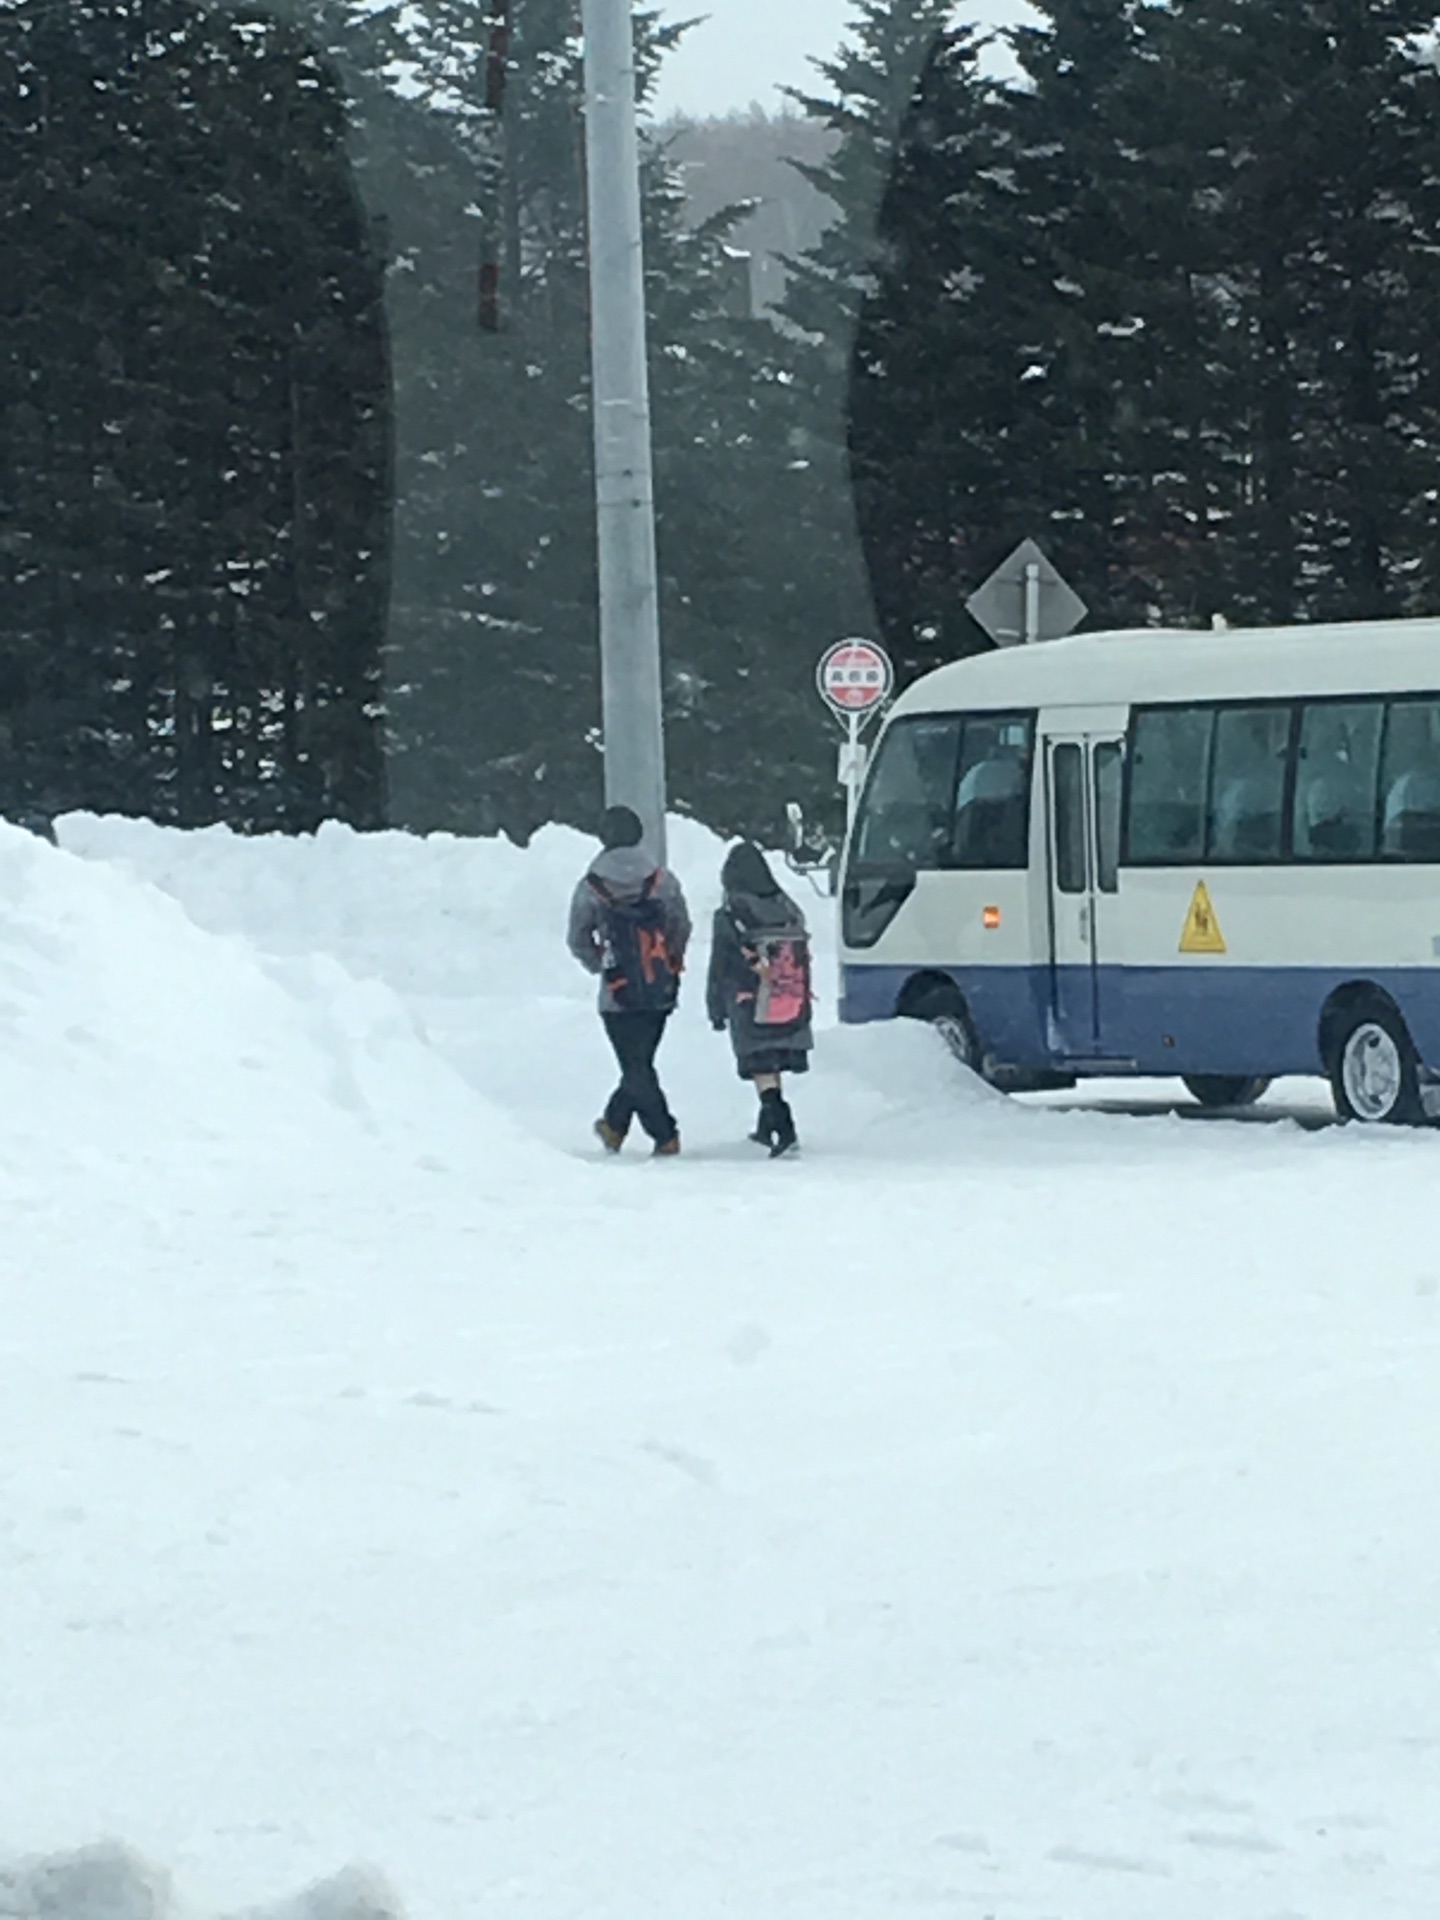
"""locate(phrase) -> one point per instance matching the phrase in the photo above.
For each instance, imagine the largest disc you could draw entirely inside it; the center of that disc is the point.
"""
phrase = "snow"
(1006, 1509)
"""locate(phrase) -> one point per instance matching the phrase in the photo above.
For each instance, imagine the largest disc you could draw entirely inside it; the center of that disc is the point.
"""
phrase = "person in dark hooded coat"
(757, 918)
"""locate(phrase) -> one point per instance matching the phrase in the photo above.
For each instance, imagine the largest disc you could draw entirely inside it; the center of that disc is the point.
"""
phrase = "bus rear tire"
(1374, 1070)
(942, 1008)
(1225, 1089)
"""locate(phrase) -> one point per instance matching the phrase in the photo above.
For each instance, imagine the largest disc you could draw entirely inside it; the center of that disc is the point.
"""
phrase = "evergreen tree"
(869, 84)
(194, 530)
(1322, 232)
(1005, 381)
(939, 363)
(1161, 306)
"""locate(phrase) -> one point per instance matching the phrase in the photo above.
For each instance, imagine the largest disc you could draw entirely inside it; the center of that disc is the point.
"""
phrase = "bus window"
(992, 795)
(1069, 774)
(1109, 784)
(1410, 781)
(1247, 783)
(1335, 780)
(906, 816)
(1167, 786)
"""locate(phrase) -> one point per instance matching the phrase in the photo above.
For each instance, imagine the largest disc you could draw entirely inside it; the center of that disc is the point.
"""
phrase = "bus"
(1206, 855)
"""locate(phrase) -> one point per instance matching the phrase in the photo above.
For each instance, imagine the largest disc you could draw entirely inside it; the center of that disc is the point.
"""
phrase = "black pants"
(636, 1038)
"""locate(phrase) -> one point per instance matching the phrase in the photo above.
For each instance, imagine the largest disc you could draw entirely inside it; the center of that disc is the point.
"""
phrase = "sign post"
(855, 679)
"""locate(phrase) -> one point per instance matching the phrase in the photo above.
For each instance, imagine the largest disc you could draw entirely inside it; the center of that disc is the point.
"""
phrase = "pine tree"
(869, 84)
(934, 377)
(1323, 230)
(1007, 372)
(1161, 307)
(193, 378)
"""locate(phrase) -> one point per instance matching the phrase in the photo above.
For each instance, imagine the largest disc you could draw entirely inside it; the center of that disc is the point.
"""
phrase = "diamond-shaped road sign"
(1025, 600)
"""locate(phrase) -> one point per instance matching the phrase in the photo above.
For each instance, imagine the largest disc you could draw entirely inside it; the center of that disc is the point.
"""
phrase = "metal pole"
(1032, 603)
(631, 701)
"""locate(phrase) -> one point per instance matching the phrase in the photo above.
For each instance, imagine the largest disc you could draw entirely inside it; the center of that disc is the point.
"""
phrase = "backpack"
(641, 973)
(781, 961)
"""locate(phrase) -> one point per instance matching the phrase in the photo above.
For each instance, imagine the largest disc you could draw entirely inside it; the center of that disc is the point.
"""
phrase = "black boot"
(768, 1123)
(783, 1138)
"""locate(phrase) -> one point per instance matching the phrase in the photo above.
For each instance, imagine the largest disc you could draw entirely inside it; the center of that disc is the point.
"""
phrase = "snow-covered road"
(1002, 1510)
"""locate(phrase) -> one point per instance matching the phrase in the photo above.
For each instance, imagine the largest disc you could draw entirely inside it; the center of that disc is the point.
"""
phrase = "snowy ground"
(1001, 1511)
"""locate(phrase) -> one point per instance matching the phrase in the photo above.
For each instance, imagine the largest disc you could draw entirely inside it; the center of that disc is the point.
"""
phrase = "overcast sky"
(747, 48)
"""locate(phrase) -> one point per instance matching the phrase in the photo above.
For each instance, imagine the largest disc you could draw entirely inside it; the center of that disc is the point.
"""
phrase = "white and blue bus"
(1212, 855)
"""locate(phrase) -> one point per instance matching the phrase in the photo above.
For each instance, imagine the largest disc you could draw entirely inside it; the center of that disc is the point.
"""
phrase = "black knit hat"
(620, 827)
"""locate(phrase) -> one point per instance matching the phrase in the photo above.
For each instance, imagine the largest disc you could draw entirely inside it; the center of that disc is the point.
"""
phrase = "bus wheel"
(1373, 1068)
(1225, 1089)
(943, 1008)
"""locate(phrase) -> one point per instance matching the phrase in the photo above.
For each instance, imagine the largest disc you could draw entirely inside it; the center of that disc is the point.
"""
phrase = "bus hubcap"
(956, 1036)
(1373, 1072)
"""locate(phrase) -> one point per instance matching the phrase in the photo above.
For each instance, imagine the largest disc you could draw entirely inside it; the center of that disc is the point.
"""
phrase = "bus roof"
(1164, 664)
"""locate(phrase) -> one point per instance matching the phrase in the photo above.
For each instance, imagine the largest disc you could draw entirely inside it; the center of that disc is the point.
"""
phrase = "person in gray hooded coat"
(759, 931)
(626, 900)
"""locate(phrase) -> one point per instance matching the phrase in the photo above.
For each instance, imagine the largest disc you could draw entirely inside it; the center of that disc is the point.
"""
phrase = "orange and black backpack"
(639, 969)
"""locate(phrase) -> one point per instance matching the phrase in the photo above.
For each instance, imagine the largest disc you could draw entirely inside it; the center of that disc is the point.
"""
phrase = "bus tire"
(941, 1006)
(1374, 1070)
(1225, 1089)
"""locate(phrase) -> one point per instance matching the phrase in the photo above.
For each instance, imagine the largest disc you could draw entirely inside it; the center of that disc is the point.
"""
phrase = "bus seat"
(1245, 824)
(1412, 818)
(986, 813)
(1335, 813)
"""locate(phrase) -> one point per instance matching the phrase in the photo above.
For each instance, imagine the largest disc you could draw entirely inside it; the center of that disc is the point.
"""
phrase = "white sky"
(747, 48)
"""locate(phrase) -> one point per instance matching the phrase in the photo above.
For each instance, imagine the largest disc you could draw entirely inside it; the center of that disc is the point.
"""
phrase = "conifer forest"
(296, 512)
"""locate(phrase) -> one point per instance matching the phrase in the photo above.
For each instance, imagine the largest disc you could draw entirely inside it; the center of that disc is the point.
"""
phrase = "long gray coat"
(730, 989)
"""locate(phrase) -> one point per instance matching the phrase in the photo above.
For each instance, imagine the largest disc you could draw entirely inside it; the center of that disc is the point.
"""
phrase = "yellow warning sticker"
(1201, 932)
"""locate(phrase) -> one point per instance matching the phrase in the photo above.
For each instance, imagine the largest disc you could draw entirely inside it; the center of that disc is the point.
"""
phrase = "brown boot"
(667, 1149)
(608, 1137)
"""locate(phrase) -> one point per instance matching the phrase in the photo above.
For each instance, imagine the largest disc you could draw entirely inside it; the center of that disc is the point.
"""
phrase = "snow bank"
(108, 1881)
(431, 915)
(135, 1036)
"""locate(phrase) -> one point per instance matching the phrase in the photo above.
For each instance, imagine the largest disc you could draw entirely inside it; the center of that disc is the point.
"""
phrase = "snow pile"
(135, 1038)
(431, 916)
(108, 1881)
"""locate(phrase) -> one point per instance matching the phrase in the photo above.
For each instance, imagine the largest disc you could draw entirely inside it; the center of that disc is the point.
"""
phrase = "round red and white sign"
(855, 676)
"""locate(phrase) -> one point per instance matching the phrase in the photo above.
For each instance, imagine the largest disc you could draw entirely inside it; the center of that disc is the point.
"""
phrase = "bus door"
(1084, 778)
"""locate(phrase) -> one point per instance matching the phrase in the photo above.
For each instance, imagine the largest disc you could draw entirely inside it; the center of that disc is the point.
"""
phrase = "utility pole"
(631, 702)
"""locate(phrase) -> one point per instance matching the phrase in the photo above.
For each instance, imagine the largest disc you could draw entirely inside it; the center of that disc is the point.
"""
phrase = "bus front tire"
(943, 1009)
(1374, 1070)
(1225, 1089)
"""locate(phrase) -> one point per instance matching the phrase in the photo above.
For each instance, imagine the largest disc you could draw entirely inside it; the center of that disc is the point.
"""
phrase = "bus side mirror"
(818, 862)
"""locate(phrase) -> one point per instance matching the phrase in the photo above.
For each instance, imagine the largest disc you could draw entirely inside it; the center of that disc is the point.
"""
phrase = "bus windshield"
(948, 790)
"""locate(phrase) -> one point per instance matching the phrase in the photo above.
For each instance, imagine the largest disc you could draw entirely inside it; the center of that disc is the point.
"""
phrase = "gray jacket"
(623, 871)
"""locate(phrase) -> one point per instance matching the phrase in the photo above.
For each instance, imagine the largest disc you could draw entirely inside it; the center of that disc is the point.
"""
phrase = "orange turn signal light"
(991, 917)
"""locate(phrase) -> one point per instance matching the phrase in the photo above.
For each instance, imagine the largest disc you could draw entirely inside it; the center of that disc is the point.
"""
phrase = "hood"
(623, 870)
(746, 870)
(771, 911)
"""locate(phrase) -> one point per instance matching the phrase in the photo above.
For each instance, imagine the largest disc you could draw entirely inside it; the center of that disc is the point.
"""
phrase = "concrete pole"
(632, 713)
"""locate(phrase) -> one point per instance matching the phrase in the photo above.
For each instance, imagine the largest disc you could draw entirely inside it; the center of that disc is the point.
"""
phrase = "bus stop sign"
(855, 678)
